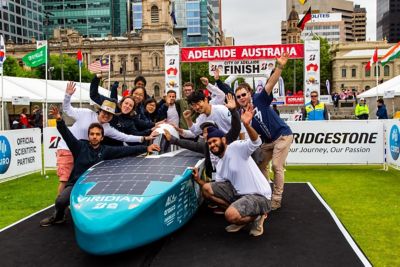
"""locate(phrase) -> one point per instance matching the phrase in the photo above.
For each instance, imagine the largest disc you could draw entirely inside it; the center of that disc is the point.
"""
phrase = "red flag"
(305, 19)
(373, 60)
(79, 57)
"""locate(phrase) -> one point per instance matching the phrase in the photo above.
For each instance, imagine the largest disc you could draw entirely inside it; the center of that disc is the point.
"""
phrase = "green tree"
(297, 65)
(191, 72)
(11, 67)
(70, 68)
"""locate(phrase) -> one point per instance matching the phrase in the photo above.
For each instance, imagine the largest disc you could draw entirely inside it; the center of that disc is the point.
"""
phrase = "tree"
(191, 72)
(11, 67)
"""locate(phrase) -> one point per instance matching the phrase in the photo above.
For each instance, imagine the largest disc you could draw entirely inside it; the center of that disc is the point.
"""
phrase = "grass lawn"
(365, 199)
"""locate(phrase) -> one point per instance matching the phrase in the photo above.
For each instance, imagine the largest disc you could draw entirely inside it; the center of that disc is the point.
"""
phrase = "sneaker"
(275, 204)
(51, 220)
(258, 226)
(234, 227)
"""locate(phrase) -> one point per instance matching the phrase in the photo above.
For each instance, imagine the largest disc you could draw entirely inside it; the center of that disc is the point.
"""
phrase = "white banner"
(392, 129)
(242, 67)
(20, 100)
(336, 142)
(172, 69)
(311, 68)
(325, 99)
(51, 138)
(20, 152)
(389, 93)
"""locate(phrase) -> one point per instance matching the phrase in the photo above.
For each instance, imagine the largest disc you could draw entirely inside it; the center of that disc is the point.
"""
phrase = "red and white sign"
(254, 52)
(295, 100)
(172, 66)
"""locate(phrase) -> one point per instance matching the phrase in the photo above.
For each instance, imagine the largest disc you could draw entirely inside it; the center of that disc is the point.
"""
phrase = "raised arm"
(224, 86)
(73, 144)
(67, 107)
(217, 95)
(198, 146)
(234, 131)
(254, 142)
(280, 64)
(95, 96)
(117, 135)
(114, 91)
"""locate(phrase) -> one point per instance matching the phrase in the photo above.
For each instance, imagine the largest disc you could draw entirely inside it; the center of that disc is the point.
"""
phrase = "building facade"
(349, 61)
(90, 18)
(352, 17)
(388, 20)
(20, 20)
(142, 53)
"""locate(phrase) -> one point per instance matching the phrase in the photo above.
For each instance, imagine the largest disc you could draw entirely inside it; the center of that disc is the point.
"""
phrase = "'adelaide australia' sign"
(224, 53)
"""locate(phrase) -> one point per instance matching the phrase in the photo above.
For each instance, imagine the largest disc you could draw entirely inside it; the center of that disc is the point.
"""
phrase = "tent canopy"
(392, 84)
(35, 89)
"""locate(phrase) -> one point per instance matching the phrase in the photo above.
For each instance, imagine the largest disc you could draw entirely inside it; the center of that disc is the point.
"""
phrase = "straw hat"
(108, 106)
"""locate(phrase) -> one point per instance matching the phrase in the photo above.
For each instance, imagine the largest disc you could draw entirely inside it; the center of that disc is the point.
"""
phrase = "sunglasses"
(241, 95)
(314, 96)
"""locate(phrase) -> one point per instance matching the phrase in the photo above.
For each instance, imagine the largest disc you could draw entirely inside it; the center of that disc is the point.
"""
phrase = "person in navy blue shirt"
(381, 113)
(275, 133)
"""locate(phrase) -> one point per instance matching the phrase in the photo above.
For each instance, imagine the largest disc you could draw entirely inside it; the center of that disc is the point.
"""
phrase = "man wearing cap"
(85, 155)
(84, 117)
(362, 110)
(240, 186)
(315, 110)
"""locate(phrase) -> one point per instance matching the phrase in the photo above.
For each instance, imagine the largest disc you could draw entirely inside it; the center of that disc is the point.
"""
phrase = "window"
(379, 71)
(386, 70)
(344, 74)
(156, 60)
(353, 72)
(156, 91)
(136, 64)
(368, 73)
(154, 15)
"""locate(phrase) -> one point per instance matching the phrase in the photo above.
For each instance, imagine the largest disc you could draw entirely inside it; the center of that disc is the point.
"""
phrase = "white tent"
(35, 89)
(392, 84)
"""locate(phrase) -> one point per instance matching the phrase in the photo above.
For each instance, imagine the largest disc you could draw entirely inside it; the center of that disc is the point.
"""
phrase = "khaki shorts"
(65, 163)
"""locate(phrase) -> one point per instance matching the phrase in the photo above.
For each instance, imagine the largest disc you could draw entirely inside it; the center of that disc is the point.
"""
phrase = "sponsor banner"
(295, 100)
(291, 116)
(327, 99)
(279, 100)
(242, 67)
(324, 17)
(311, 68)
(389, 93)
(336, 142)
(392, 129)
(172, 69)
(254, 52)
(20, 100)
(20, 152)
(51, 138)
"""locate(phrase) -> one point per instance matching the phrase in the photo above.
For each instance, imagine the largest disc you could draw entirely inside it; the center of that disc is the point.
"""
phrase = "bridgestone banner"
(312, 68)
(225, 53)
(20, 152)
(51, 139)
(172, 69)
(336, 142)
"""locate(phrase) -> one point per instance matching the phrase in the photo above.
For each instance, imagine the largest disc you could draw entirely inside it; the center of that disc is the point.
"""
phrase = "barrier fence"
(319, 143)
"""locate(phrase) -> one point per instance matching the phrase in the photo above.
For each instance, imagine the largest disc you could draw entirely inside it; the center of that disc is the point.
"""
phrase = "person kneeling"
(240, 186)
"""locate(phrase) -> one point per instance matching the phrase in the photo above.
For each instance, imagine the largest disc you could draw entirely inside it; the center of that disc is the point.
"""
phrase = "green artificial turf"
(364, 198)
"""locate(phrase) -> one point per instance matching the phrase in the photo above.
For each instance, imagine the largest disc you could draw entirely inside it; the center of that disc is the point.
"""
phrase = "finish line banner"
(229, 53)
(337, 142)
(243, 67)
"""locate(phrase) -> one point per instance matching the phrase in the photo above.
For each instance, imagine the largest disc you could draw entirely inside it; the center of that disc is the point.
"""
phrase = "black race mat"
(301, 233)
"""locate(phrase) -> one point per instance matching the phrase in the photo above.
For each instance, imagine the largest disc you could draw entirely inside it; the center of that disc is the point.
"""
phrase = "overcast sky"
(259, 21)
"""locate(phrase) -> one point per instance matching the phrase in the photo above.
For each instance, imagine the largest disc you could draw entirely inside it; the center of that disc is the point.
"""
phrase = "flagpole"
(2, 99)
(80, 85)
(377, 82)
(109, 74)
(45, 100)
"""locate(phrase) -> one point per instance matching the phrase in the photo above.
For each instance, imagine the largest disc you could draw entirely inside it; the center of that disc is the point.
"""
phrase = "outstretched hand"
(55, 112)
(152, 136)
(247, 115)
(195, 174)
(216, 74)
(204, 80)
(283, 59)
(230, 101)
(187, 114)
(153, 147)
(70, 90)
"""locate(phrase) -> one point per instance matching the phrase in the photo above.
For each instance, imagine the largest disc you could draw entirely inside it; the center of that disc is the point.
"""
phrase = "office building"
(388, 20)
(20, 20)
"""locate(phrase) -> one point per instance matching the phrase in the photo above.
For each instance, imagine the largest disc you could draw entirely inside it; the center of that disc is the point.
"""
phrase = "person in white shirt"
(169, 110)
(84, 117)
(240, 186)
(219, 114)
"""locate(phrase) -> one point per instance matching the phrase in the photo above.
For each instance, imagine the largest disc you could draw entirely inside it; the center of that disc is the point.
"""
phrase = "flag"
(303, 1)
(305, 19)
(173, 17)
(2, 50)
(35, 58)
(99, 65)
(373, 60)
(79, 58)
(394, 52)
